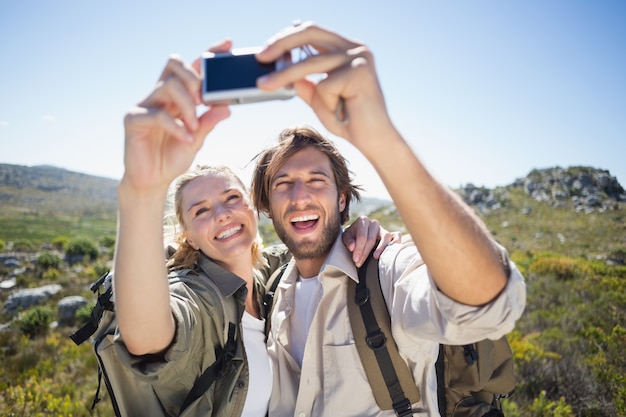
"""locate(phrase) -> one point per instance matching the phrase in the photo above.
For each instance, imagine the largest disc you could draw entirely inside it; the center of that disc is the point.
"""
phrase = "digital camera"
(230, 77)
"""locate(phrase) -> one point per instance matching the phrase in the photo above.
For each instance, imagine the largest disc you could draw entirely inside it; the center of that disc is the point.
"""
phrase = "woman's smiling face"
(218, 218)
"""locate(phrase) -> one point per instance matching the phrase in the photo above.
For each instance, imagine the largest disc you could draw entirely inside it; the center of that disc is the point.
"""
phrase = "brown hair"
(185, 256)
(291, 141)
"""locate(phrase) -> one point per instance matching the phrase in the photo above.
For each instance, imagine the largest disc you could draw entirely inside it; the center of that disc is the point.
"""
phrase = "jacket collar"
(227, 282)
(338, 262)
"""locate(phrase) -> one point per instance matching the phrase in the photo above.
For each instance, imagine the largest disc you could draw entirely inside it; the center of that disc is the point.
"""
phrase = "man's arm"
(462, 257)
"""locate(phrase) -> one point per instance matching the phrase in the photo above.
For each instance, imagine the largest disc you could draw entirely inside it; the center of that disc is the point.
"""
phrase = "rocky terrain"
(586, 189)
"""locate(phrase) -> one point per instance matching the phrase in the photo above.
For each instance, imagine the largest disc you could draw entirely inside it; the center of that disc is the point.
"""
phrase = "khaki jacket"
(203, 301)
(332, 381)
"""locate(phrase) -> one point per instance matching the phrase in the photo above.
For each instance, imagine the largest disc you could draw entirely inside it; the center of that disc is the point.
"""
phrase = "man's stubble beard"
(311, 249)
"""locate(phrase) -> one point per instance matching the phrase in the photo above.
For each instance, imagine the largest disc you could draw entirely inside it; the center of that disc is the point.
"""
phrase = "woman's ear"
(191, 243)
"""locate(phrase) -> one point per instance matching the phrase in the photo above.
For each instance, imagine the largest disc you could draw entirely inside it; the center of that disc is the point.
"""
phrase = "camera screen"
(233, 72)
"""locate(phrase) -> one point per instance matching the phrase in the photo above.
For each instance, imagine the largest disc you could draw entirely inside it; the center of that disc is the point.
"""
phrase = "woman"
(169, 330)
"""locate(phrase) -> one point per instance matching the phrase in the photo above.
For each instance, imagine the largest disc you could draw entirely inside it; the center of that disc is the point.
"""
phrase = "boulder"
(29, 297)
(67, 308)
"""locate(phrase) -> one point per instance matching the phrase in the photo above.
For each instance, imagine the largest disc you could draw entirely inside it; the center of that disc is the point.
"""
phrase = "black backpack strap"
(441, 388)
(204, 381)
(268, 298)
(103, 303)
(378, 351)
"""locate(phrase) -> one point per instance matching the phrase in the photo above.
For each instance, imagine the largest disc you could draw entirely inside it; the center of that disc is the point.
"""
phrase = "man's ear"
(342, 202)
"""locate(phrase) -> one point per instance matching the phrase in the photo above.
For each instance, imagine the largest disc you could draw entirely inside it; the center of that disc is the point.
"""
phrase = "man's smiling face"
(305, 206)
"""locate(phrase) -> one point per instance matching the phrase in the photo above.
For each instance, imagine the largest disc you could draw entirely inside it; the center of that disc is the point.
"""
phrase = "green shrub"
(99, 270)
(2, 245)
(35, 321)
(48, 260)
(560, 267)
(107, 241)
(81, 248)
(60, 242)
(23, 245)
(618, 256)
(51, 274)
(83, 314)
(543, 407)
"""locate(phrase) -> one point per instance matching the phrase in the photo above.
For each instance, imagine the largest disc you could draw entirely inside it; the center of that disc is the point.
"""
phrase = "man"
(450, 283)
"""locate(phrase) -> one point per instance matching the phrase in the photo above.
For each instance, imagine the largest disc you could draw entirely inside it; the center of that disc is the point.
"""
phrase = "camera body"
(230, 77)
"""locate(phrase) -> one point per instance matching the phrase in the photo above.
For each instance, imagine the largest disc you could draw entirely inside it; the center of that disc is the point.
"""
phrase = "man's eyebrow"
(312, 172)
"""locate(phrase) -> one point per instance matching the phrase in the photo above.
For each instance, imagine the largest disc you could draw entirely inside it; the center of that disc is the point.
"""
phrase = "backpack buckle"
(403, 408)
(362, 295)
(376, 340)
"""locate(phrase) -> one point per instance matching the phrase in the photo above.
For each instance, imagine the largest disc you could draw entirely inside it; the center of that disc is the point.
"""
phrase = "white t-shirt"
(260, 384)
(302, 315)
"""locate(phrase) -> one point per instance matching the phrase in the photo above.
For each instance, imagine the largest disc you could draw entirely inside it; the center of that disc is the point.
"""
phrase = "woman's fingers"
(142, 119)
(177, 92)
(209, 119)
(187, 74)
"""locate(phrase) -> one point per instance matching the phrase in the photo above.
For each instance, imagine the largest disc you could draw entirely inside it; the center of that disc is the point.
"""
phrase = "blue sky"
(484, 91)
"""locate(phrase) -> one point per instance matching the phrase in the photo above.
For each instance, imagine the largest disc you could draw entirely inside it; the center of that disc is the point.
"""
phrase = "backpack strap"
(103, 303)
(214, 371)
(389, 376)
(441, 388)
(268, 298)
(223, 355)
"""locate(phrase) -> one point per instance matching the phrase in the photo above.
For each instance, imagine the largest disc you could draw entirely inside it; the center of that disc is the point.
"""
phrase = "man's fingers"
(307, 33)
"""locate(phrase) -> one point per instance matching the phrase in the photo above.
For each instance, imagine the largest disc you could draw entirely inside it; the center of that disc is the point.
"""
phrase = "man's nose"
(300, 195)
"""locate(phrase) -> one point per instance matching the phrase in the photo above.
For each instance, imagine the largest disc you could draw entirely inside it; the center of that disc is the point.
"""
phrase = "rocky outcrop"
(588, 189)
(481, 198)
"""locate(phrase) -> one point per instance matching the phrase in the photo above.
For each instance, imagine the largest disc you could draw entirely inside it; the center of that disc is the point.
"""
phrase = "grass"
(40, 229)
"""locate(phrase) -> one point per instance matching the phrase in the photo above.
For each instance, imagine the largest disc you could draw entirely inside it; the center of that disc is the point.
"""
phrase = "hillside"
(576, 211)
(565, 229)
(579, 210)
(42, 202)
(49, 190)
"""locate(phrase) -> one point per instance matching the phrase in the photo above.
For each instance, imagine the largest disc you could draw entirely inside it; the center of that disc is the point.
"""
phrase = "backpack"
(471, 379)
(120, 382)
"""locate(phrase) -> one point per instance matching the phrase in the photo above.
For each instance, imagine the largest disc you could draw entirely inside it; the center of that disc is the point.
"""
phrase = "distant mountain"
(50, 189)
(47, 189)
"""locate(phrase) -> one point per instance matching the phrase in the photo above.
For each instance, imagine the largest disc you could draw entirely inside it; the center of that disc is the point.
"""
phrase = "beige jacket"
(332, 381)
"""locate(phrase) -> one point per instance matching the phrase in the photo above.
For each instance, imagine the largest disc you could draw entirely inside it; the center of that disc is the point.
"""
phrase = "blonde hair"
(184, 256)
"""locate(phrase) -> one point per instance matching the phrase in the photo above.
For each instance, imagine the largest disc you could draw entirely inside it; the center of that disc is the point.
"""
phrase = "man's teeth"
(305, 218)
(229, 232)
